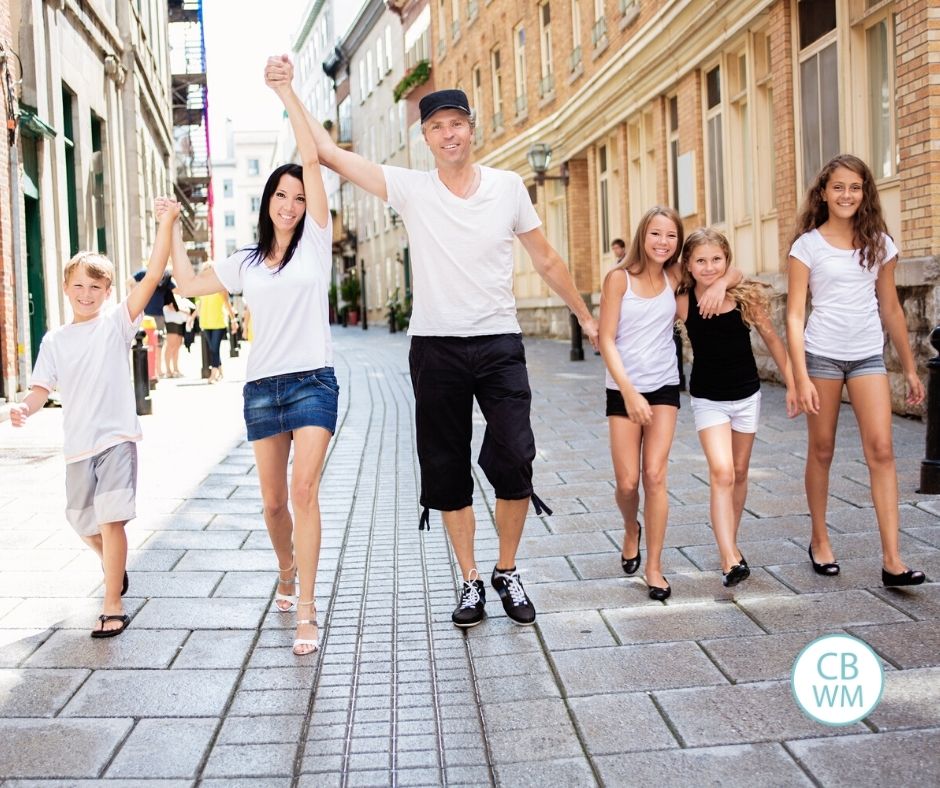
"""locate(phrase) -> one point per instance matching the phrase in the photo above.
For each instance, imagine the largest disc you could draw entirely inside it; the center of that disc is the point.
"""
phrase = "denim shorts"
(283, 403)
(833, 369)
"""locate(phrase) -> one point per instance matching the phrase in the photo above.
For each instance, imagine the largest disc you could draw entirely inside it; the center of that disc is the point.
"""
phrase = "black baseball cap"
(443, 99)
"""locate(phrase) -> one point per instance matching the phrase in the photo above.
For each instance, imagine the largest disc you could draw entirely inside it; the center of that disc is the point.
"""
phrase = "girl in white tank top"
(638, 310)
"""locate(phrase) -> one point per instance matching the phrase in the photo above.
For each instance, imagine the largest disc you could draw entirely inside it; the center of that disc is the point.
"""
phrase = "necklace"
(474, 183)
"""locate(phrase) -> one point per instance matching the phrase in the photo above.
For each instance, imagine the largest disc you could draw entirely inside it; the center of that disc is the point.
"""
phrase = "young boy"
(88, 360)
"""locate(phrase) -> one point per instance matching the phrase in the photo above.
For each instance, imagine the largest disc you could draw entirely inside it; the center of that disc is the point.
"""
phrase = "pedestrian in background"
(725, 386)
(87, 360)
(162, 296)
(844, 258)
(466, 342)
(215, 316)
(638, 310)
(176, 312)
(291, 394)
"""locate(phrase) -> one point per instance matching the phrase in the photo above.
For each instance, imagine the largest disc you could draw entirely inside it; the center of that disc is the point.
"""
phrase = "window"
(97, 132)
(402, 119)
(255, 204)
(764, 100)
(228, 188)
(379, 60)
(455, 15)
(547, 82)
(476, 81)
(882, 114)
(641, 164)
(441, 28)
(714, 153)
(819, 85)
(497, 77)
(575, 36)
(599, 31)
(344, 115)
(389, 60)
(672, 111)
(230, 246)
(363, 85)
(518, 41)
(604, 198)
(229, 218)
(68, 134)
(254, 166)
(370, 73)
(740, 137)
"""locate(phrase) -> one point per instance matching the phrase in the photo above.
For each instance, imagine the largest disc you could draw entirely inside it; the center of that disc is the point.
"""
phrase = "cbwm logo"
(837, 680)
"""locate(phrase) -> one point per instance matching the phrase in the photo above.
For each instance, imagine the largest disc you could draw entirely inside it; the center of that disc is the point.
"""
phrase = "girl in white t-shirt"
(291, 392)
(842, 254)
(638, 310)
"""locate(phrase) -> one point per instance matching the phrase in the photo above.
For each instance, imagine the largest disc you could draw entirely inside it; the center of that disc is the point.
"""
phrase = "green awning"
(31, 123)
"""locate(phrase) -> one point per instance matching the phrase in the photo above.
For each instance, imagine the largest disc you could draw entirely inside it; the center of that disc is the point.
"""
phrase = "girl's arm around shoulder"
(682, 307)
(895, 323)
(778, 353)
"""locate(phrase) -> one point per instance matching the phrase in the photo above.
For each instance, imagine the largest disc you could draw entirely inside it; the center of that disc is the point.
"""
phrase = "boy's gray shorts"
(102, 489)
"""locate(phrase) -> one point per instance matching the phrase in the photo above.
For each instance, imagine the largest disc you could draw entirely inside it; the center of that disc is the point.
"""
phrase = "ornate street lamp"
(540, 157)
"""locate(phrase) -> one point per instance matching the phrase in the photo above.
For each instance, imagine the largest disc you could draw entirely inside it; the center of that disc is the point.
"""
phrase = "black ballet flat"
(630, 565)
(735, 575)
(660, 594)
(828, 570)
(908, 578)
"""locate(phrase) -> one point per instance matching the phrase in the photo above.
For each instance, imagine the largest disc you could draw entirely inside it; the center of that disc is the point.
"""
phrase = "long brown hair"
(750, 296)
(634, 261)
(868, 223)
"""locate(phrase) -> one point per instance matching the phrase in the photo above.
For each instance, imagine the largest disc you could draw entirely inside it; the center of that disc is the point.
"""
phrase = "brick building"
(8, 311)
(723, 110)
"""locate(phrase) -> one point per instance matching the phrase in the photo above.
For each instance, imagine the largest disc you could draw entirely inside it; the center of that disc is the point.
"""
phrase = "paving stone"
(249, 782)
(607, 565)
(251, 760)
(914, 644)
(153, 693)
(758, 553)
(215, 648)
(164, 748)
(911, 699)
(197, 540)
(761, 657)
(680, 622)
(580, 629)
(172, 584)
(852, 760)
(809, 611)
(920, 602)
(632, 668)
(622, 722)
(17, 644)
(534, 774)
(201, 614)
(539, 742)
(266, 702)
(709, 716)
(246, 584)
(58, 748)
(135, 648)
(563, 544)
(273, 729)
(37, 692)
(229, 561)
(739, 766)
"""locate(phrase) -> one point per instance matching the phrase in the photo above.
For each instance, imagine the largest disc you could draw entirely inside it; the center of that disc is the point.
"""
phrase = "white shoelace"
(470, 596)
(514, 585)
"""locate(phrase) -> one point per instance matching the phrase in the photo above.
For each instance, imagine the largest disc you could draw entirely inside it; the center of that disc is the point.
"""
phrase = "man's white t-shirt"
(289, 308)
(88, 363)
(462, 250)
(845, 323)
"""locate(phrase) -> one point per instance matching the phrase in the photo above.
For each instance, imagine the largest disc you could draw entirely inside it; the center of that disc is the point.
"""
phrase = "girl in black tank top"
(724, 384)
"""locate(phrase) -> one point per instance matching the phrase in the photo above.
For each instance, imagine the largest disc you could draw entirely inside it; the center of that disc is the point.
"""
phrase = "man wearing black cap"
(466, 342)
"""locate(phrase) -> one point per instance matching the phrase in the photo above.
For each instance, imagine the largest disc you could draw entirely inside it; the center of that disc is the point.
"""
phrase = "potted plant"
(350, 291)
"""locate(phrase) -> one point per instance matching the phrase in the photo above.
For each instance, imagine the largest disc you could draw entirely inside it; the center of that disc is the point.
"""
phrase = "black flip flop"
(110, 633)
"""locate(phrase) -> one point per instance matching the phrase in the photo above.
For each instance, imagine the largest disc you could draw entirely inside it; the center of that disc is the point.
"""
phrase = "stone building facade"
(723, 110)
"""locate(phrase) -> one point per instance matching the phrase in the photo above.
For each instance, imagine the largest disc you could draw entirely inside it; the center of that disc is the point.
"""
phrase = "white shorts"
(742, 413)
(102, 489)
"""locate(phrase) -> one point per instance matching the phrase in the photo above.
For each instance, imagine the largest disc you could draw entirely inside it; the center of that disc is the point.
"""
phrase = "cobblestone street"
(609, 688)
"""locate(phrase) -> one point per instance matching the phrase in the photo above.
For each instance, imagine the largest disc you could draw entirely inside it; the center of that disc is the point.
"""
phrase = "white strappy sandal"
(291, 599)
(304, 645)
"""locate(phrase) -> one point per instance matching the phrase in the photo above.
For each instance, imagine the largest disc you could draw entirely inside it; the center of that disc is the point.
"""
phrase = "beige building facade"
(723, 110)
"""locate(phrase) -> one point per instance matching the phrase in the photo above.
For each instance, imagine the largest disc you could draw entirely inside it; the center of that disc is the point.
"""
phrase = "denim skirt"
(283, 403)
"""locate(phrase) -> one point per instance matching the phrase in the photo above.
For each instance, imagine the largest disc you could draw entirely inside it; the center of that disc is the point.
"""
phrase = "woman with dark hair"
(291, 392)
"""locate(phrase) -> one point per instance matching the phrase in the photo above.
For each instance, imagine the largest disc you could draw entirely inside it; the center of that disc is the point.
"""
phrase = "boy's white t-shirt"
(289, 308)
(462, 249)
(88, 363)
(845, 323)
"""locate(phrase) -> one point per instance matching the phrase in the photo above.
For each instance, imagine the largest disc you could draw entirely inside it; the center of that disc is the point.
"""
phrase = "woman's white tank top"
(644, 339)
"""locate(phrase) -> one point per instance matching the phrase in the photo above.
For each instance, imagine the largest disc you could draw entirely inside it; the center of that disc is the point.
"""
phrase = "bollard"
(141, 376)
(234, 337)
(577, 348)
(392, 320)
(930, 467)
(205, 355)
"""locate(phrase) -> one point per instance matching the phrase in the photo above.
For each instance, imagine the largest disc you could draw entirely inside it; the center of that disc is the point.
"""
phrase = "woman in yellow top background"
(215, 315)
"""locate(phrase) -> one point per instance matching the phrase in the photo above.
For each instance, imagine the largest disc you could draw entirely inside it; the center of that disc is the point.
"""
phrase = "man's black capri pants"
(447, 373)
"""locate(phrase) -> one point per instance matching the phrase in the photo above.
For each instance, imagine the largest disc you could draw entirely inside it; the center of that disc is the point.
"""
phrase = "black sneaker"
(517, 605)
(471, 609)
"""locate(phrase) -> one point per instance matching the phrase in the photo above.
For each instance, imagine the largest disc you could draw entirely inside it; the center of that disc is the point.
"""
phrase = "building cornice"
(313, 11)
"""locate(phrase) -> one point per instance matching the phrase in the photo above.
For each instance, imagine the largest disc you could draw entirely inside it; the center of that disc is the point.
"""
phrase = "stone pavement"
(609, 688)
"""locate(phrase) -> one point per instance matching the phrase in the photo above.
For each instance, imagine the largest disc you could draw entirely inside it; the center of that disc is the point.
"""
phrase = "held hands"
(711, 302)
(589, 329)
(278, 73)
(166, 209)
(793, 403)
(18, 414)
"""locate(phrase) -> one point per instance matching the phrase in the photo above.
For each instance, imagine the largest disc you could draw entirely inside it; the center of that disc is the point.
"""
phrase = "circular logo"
(837, 679)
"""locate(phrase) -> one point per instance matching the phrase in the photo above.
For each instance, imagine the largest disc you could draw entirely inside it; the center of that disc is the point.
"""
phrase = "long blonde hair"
(634, 261)
(749, 295)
